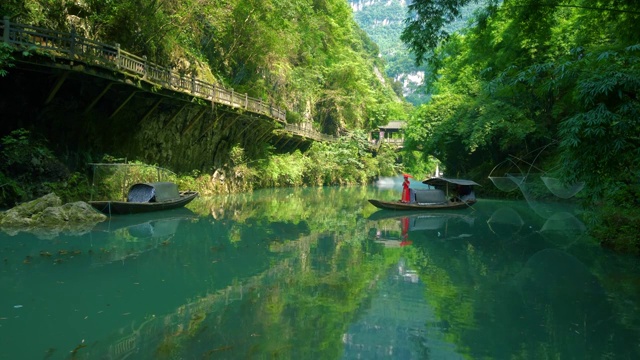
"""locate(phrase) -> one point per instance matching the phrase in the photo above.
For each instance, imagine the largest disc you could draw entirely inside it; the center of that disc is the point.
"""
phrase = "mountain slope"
(383, 20)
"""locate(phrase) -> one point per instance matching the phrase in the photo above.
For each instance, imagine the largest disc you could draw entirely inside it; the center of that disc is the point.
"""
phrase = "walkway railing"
(394, 142)
(310, 133)
(73, 47)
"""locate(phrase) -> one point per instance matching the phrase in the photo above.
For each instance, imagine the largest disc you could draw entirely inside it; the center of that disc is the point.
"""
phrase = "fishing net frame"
(513, 181)
(111, 181)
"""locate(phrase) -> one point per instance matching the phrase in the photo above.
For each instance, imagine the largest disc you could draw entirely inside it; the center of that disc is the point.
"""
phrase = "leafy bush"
(618, 228)
(616, 221)
(30, 165)
(6, 59)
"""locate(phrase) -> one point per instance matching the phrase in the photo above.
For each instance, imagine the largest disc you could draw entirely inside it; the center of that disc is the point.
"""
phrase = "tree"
(425, 27)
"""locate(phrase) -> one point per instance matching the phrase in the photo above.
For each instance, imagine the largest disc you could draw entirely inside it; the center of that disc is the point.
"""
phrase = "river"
(318, 273)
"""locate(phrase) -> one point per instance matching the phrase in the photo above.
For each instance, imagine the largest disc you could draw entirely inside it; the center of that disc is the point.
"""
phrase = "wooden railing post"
(144, 67)
(72, 43)
(193, 83)
(118, 55)
(7, 24)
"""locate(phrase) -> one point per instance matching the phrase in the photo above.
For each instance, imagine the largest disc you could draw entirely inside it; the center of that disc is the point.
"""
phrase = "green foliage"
(607, 114)
(417, 166)
(307, 56)
(29, 164)
(283, 170)
(112, 181)
(617, 219)
(74, 188)
(533, 74)
(344, 162)
(10, 191)
(425, 28)
(6, 59)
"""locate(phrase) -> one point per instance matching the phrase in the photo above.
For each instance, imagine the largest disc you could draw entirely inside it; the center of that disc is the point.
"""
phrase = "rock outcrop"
(47, 217)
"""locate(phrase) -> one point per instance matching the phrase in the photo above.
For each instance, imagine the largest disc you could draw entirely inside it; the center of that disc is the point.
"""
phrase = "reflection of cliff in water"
(169, 335)
(161, 336)
(398, 324)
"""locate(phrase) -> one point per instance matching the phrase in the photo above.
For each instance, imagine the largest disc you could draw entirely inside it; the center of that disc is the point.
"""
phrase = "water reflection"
(145, 226)
(398, 228)
(393, 325)
(318, 273)
(505, 221)
(560, 301)
(521, 286)
(129, 236)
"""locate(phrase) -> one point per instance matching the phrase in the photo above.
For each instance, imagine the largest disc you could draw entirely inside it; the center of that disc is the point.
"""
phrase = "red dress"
(406, 194)
(405, 232)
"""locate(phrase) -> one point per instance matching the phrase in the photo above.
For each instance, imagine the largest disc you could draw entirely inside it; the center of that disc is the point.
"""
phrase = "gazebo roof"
(393, 125)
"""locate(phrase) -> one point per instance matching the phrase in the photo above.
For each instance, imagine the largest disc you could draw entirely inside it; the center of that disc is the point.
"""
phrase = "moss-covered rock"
(47, 217)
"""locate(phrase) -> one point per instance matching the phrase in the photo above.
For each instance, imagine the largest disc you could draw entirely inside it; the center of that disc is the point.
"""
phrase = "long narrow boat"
(147, 197)
(448, 194)
(399, 205)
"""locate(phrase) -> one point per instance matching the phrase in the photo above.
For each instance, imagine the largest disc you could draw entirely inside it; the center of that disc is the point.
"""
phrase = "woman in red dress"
(406, 193)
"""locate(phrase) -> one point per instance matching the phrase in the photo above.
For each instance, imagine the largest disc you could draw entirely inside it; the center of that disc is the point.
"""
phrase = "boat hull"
(399, 205)
(124, 207)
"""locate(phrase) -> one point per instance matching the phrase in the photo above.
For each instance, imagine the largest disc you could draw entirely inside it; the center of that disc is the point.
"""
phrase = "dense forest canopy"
(308, 56)
(531, 74)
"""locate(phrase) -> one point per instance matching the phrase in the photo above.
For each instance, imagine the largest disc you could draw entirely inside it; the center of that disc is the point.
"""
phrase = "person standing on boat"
(406, 192)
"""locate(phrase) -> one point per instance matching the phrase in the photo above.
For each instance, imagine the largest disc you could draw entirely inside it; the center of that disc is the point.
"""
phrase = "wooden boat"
(448, 194)
(399, 205)
(147, 197)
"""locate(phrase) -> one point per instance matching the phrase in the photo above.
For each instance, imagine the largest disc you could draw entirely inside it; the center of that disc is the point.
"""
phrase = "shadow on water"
(319, 273)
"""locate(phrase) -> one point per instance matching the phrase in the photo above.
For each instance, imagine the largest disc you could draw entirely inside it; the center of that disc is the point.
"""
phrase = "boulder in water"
(47, 217)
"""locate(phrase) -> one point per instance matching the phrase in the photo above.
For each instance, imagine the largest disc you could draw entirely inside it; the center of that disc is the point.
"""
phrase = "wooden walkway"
(305, 132)
(72, 47)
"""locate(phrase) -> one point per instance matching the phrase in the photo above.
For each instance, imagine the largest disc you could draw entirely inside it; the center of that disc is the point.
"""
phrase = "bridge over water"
(81, 54)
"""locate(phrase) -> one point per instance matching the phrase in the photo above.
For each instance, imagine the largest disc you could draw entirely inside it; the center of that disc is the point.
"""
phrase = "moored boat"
(147, 197)
(446, 194)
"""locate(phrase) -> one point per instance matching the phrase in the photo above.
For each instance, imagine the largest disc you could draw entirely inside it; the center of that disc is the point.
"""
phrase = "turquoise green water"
(320, 274)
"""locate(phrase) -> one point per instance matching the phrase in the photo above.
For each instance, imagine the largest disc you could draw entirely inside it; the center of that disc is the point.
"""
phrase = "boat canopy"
(153, 192)
(430, 196)
(438, 181)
